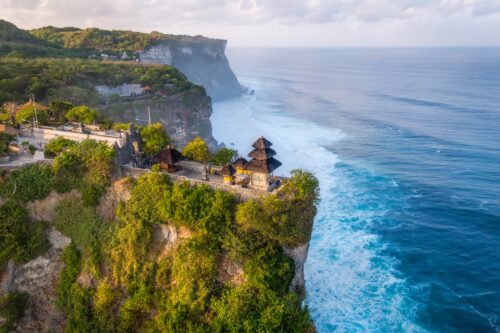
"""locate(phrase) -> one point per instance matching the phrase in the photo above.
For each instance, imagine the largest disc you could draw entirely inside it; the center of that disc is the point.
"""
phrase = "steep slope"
(201, 59)
(184, 108)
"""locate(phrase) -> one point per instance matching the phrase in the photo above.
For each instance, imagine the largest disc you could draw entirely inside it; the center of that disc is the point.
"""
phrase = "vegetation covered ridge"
(74, 80)
(161, 264)
(75, 42)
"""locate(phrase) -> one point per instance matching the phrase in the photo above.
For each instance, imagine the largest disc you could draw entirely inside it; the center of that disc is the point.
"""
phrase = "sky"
(279, 23)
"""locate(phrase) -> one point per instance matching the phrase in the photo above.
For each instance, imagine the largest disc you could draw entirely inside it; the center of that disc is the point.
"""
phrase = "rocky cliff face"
(184, 115)
(201, 59)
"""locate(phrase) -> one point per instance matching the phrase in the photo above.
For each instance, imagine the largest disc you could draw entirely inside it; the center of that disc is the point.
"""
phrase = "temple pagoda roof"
(170, 155)
(240, 162)
(265, 166)
(262, 154)
(262, 143)
(228, 170)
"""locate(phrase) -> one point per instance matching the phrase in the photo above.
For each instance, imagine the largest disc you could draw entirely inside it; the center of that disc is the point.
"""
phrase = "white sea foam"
(351, 286)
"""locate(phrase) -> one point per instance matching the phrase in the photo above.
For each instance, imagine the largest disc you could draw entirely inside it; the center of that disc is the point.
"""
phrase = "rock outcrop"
(38, 278)
(299, 256)
(201, 59)
(117, 193)
(44, 210)
(184, 115)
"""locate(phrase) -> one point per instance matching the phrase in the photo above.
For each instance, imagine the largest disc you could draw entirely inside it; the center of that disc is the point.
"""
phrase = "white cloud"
(232, 17)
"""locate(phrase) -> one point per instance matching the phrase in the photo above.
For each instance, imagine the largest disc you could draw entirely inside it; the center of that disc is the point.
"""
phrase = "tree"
(224, 156)
(82, 114)
(27, 113)
(58, 110)
(4, 143)
(154, 138)
(197, 150)
(58, 145)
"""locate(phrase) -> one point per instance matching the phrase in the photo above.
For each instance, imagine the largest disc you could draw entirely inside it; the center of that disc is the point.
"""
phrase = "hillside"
(94, 39)
(147, 254)
(201, 59)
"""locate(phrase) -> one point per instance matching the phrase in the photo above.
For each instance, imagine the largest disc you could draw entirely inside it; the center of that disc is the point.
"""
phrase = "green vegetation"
(86, 229)
(119, 275)
(87, 166)
(56, 146)
(11, 309)
(74, 80)
(4, 143)
(287, 217)
(26, 114)
(154, 138)
(9, 32)
(113, 41)
(19, 239)
(197, 150)
(223, 156)
(82, 114)
(29, 183)
(139, 287)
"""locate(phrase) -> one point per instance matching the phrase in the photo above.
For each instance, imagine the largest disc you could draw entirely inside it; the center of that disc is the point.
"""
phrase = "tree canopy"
(197, 150)
(223, 156)
(154, 138)
(82, 114)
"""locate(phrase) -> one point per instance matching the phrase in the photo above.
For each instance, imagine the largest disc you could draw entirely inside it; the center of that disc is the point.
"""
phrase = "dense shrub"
(287, 217)
(19, 239)
(143, 286)
(29, 183)
(72, 265)
(87, 166)
(247, 308)
(73, 80)
(82, 114)
(197, 150)
(11, 310)
(56, 146)
(86, 228)
(4, 142)
(223, 156)
(154, 138)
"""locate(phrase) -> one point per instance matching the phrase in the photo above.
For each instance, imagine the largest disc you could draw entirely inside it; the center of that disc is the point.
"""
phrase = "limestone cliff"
(201, 59)
(184, 115)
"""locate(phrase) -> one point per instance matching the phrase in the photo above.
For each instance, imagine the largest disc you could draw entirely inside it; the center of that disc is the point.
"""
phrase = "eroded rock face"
(230, 271)
(166, 237)
(184, 115)
(202, 60)
(38, 278)
(44, 210)
(299, 256)
(118, 192)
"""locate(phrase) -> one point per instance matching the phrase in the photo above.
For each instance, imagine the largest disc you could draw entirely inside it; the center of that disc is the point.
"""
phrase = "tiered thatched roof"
(169, 155)
(262, 157)
(228, 170)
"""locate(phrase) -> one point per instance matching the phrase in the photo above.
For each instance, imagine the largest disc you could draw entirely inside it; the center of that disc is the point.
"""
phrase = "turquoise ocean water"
(406, 145)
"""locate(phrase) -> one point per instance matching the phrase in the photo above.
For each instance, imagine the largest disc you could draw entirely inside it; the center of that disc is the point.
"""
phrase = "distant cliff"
(201, 59)
(184, 115)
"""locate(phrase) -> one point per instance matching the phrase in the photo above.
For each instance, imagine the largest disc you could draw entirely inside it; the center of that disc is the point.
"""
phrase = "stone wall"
(47, 134)
(243, 193)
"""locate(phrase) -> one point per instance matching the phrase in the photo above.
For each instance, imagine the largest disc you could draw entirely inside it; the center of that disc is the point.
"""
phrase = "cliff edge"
(201, 59)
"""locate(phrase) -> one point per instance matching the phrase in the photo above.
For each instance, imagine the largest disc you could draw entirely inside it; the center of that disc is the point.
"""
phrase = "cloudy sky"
(280, 22)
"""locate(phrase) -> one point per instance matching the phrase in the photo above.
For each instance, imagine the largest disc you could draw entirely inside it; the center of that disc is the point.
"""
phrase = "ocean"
(406, 146)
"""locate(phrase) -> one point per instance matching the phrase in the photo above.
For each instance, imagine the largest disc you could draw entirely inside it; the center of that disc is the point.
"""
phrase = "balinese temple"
(257, 172)
(240, 164)
(168, 158)
(228, 172)
(261, 166)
